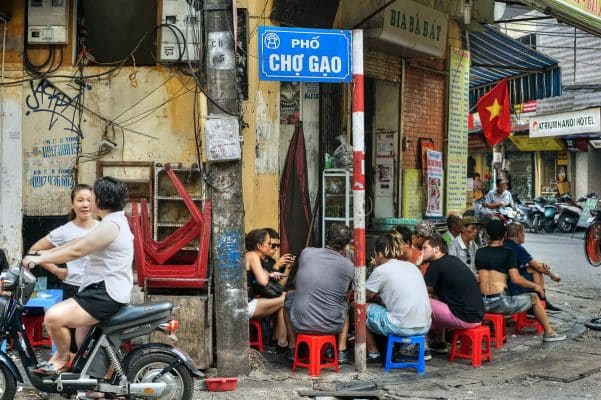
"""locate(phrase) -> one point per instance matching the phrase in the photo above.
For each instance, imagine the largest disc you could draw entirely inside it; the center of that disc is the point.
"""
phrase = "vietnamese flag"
(493, 109)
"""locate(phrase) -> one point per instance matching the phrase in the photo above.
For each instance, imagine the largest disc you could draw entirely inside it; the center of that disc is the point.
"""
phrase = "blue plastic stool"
(419, 364)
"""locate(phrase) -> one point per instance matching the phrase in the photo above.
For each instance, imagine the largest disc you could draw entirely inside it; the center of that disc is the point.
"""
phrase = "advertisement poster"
(413, 196)
(425, 145)
(457, 144)
(434, 183)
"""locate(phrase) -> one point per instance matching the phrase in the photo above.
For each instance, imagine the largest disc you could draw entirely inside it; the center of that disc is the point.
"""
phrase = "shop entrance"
(382, 107)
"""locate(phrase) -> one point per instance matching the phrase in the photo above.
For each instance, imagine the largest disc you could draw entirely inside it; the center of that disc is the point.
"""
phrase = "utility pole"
(231, 320)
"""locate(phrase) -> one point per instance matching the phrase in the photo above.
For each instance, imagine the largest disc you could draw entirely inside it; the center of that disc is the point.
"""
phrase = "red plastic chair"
(161, 251)
(255, 334)
(471, 345)
(185, 270)
(498, 333)
(316, 344)
(33, 327)
(523, 321)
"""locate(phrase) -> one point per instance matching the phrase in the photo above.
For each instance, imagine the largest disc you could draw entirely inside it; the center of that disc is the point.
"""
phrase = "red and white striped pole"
(359, 199)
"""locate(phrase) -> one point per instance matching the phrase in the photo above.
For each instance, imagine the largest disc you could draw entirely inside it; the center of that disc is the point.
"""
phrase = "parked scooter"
(153, 370)
(530, 214)
(550, 210)
(569, 212)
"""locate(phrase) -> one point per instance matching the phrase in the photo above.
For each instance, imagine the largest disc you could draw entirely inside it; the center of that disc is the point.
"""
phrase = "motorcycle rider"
(108, 277)
(497, 199)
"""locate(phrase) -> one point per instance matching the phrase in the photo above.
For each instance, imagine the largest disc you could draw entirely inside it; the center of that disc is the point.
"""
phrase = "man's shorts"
(378, 322)
(507, 305)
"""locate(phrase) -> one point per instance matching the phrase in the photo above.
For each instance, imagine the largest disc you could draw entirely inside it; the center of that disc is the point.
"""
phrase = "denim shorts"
(378, 322)
(504, 304)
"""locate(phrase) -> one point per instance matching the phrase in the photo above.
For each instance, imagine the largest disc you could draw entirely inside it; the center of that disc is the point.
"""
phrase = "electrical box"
(47, 21)
(180, 35)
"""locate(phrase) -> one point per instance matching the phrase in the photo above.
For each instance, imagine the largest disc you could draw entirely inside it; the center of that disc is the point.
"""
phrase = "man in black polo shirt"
(495, 264)
(456, 300)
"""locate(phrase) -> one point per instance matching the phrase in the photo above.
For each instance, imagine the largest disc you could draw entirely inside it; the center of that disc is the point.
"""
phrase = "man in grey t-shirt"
(324, 277)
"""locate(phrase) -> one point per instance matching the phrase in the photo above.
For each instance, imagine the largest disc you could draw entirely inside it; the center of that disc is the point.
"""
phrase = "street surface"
(525, 368)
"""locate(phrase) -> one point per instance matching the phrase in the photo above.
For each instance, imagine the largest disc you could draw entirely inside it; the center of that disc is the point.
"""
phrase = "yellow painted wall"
(151, 113)
(260, 162)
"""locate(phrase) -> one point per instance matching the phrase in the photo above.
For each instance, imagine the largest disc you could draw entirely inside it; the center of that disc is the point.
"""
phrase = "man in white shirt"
(497, 199)
(464, 245)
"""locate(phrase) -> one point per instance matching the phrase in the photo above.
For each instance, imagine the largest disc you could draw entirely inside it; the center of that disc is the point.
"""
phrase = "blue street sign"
(304, 55)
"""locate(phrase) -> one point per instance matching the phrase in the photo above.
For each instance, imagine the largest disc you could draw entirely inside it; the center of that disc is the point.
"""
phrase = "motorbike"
(531, 214)
(549, 223)
(149, 371)
(569, 212)
(505, 214)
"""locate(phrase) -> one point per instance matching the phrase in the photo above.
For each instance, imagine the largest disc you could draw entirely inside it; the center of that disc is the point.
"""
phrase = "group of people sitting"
(421, 283)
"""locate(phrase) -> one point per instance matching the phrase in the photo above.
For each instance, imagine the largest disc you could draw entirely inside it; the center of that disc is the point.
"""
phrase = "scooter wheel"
(564, 225)
(549, 226)
(594, 324)
(537, 224)
(8, 384)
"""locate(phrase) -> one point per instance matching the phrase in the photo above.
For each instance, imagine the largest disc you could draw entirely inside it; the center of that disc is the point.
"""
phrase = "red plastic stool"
(255, 334)
(498, 334)
(522, 321)
(471, 345)
(317, 348)
(33, 327)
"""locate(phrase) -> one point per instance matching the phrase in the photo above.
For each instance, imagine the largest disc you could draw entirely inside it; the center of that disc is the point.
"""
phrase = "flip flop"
(89, 395)
(51, 369)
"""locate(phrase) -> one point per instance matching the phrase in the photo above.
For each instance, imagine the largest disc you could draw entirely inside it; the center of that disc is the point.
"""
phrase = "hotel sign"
(569, 123)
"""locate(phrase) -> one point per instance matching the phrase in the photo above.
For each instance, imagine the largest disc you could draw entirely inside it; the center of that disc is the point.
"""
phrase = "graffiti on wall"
(46, 98)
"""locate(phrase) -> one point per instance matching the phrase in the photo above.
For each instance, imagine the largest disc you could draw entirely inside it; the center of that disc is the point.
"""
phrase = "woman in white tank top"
(81, 222)
(108, 278)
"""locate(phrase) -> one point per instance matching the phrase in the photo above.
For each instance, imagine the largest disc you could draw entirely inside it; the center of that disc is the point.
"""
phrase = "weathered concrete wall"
(10, 172)
(260, 160)
(147, 112)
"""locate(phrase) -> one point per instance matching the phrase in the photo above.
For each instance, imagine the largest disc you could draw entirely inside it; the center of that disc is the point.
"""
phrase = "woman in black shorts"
(108, 274)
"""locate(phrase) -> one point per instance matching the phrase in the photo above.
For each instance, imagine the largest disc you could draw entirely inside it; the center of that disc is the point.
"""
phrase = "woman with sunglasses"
(262, 283)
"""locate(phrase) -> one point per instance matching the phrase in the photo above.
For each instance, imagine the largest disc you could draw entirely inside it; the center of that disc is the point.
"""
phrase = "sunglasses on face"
(273, 245)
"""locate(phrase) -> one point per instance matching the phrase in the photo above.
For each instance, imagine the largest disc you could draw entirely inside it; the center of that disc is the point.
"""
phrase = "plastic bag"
(343, 155)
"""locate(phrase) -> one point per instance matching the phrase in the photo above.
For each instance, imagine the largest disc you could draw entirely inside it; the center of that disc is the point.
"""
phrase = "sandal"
(89, 395)
(48, 368)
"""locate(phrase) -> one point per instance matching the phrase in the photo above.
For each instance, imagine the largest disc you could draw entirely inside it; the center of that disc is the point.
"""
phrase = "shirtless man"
(495, 264)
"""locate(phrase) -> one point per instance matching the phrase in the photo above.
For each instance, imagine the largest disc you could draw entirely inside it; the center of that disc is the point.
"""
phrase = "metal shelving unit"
(337, 199)
(169, 210)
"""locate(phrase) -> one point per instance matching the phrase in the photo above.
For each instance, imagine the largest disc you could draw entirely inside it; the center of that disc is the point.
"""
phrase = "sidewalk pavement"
(525, 368)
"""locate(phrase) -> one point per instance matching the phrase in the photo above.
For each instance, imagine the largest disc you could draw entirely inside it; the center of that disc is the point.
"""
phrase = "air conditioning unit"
(47, 21)
(180, 35)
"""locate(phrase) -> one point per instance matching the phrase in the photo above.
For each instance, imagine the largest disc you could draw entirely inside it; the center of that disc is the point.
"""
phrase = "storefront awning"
(532, 75)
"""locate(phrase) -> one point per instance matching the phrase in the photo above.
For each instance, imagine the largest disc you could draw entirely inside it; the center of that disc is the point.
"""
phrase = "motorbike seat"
(130, 312)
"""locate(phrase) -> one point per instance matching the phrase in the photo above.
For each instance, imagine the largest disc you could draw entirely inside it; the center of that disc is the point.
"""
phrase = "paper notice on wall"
(222, 139)
(434, 183)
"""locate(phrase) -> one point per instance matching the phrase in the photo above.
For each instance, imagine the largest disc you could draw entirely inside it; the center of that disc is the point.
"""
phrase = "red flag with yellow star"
(493, 109)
